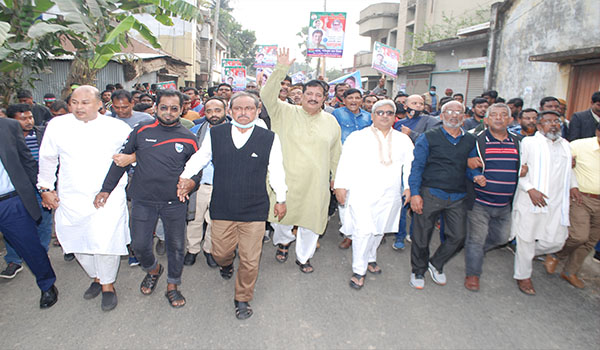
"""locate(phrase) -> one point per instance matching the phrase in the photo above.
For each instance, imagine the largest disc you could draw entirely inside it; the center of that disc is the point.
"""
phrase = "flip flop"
(358, 278)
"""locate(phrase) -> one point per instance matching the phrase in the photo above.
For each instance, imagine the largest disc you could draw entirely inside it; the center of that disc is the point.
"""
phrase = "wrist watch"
(281, 202)
(42, 190)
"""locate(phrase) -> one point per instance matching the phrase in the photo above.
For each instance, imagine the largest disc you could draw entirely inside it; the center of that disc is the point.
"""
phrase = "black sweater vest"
(239, 180)
(447, 163)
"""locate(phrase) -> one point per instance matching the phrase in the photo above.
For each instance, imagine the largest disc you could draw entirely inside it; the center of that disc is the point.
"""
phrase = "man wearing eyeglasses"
(438, 186)
(382, 155)
(540, 216)
(161, 149)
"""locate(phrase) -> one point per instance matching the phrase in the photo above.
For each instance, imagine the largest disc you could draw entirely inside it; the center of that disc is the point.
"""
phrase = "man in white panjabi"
(84, 143)
(541, 206)
(368, 183)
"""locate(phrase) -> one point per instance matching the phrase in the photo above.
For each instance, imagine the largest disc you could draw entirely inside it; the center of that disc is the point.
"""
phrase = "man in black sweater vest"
(241, 154)
(438, 186)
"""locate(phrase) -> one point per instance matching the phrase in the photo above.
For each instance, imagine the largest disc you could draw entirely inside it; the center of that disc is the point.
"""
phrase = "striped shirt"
(31, 141)
(501, 162)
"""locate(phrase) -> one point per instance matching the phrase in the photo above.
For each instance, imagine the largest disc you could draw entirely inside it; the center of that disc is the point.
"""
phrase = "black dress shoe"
(69, 257)
(226, 271)
(210, 261)
(189, 259)
(49, 297)
(161, 247)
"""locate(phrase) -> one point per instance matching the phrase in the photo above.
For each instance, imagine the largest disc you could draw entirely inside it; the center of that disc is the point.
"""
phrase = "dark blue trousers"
(20, 230)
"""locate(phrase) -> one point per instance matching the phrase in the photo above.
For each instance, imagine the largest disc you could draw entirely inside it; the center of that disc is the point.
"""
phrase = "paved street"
(320, 310)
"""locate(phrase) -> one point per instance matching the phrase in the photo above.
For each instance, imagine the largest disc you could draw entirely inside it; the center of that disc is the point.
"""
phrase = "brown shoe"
(472, 283)
(346, 243)
(526, 286)
(574, 280)
(550, 263)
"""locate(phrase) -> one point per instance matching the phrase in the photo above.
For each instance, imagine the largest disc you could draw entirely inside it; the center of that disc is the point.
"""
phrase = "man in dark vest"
(241, 154)
(438, 186)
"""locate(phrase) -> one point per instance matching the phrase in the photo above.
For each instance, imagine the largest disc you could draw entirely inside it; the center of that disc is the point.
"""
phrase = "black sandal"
(173, 296)
(376, 269)
(305, 268)
(242, 310)
(281, 255)
(358, 278)
(150, 281)
(226, 271)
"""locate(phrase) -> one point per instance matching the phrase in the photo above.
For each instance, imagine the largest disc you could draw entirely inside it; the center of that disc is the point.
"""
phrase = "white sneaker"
(436, 276)
(417, 282)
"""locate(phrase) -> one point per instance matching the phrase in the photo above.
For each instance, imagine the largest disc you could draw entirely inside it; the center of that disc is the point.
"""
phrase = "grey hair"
(450, 103)
(244, 94)
(382, 103)
(543, 113)
(498, 105)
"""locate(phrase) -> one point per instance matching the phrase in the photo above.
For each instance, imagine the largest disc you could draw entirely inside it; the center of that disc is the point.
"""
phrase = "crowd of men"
(112, 169)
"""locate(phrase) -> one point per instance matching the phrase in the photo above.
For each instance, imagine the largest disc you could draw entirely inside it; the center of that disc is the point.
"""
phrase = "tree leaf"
(7, 66)
(40, 28)
(4, 28)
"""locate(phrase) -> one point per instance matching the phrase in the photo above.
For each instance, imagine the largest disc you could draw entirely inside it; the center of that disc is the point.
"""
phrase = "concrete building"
(549, 48)
(405, 25)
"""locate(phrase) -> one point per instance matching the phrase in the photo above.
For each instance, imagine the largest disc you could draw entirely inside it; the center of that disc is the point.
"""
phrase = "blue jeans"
(44, 231)
(597, 246)
(487, 228)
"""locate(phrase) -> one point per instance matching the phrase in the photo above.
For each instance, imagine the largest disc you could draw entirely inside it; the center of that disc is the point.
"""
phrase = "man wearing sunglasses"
(161, 149)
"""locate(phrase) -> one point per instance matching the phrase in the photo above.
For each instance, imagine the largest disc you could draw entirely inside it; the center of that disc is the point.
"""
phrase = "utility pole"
(323, 66)
(213, 48)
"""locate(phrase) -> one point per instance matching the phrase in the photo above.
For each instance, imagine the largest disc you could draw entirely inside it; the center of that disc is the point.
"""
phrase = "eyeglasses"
(388, 113)
(165, 108)
(548, 122)
(451, 113)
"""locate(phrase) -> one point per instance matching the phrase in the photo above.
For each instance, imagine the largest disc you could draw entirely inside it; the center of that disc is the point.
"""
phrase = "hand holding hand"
(480, 180)
(50, 200)
(184, 187)
(280, 210)
(340, 195)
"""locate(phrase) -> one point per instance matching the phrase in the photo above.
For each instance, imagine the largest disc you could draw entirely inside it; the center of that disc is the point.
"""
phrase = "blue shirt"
(410, 123)
(350, 122)
(421, 153)
(6, 186)
(31, 141)
(501, 161)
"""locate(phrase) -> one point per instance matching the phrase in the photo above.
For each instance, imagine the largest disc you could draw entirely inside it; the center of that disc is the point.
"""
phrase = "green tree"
(97, 29)
(22, 45)
(241, 41)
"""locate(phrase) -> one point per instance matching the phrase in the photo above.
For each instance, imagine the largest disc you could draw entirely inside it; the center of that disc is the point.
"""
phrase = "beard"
(552, 135)
(167, 122)
(215, 121)
(449, 124)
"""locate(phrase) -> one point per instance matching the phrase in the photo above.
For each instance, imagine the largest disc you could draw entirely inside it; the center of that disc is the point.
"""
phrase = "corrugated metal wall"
(55, 82)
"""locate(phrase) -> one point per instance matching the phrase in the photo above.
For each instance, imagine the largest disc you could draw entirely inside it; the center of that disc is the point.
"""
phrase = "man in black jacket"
(19, 208)
(583, 124)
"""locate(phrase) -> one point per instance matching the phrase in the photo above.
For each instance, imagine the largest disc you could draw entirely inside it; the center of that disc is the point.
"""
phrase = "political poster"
(266, 56)
(167, 85)
(352, 79)
(235, 76)
(326, 34)
(262, 74)
(385, 59)
(230, 62)
(299, 77)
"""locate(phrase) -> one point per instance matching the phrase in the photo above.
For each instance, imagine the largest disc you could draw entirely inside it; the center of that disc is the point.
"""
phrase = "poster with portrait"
(352, 79)
(235, 76)
(262, 74)
(326, 34)
(385, 59)
(166, 85)
(266, 56)
(298, 78)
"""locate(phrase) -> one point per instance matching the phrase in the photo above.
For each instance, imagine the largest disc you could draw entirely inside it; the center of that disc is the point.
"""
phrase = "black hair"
(189, 88)
(288, 78)
(217, 98)
(169, 93)
(352, 91)
(479, 100)
(500, 100)
(459, 94)
(110, 87)
(338, 85)
(12, 110)
(596, 97)
(527, 110)
(319, 83)
(211, 91)
(147, 95)
(24, 94)
(547, 99)
(491, 93)
(121, 94)
(517, 102)
(224, 84)
(49, 95)
(58, 105)
(118, 86)
(140, 107)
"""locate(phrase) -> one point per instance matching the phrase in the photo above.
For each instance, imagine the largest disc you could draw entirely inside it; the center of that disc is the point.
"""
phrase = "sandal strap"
(150, 280)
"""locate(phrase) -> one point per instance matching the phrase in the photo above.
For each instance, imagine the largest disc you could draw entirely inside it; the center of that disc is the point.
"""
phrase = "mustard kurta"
(311, 146)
